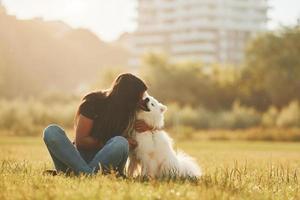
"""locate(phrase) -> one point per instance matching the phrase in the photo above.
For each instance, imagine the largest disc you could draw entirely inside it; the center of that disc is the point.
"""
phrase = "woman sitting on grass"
(102, 120)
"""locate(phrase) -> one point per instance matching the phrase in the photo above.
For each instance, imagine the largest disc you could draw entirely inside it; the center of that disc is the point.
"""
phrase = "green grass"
(232, 170)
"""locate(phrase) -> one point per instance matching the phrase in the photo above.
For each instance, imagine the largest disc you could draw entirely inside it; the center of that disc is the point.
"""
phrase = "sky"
(110, 18)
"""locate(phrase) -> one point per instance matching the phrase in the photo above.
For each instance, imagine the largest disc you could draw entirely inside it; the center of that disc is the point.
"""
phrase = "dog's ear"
(163, 108)
(144, 105)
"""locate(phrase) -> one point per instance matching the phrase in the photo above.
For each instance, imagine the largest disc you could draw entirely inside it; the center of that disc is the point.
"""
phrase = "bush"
(289, 116)
(244, 117)
(252, 134)
(200, 118)
(269, 118)
(30, 117)
(188, 116)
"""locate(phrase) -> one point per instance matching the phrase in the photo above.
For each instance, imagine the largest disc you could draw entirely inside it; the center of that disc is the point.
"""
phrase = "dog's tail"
(188, 166)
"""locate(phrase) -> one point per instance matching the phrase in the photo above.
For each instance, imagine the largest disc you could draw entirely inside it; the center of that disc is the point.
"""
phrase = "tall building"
(209, 31)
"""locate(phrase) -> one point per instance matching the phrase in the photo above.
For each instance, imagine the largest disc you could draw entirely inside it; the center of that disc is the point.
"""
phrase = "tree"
(272, 69)
(187, 83)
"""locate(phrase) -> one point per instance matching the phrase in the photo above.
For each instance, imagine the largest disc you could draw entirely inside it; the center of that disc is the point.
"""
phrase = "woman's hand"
(141, 126)
(132, 143)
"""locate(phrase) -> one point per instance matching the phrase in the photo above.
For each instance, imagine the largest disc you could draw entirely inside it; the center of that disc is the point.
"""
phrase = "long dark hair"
(116, 107)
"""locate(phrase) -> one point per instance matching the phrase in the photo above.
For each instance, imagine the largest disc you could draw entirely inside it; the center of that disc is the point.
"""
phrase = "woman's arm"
(141, 126)
(83, 139)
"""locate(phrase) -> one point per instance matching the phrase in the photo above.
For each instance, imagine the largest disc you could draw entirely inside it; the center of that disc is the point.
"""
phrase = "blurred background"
(227, 69)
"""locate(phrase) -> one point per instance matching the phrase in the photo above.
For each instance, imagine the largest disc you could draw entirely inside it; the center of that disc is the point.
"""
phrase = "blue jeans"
(66, 157)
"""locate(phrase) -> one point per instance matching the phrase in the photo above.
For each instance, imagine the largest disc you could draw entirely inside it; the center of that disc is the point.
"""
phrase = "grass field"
(232, 170)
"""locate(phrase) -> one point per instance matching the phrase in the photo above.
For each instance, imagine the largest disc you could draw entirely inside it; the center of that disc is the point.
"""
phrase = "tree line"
(269, 76)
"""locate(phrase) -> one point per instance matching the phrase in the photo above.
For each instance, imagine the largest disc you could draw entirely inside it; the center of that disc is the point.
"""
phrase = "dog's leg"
(133, 164)
(144, 170)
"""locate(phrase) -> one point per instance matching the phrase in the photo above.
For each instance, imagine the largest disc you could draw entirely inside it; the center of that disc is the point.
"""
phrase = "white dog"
(155, 153)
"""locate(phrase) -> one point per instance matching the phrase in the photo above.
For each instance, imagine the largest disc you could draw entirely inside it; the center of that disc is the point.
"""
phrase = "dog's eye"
(152, 104)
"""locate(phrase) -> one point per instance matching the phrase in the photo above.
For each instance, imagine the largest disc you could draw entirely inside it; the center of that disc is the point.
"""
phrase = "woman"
(102, 122)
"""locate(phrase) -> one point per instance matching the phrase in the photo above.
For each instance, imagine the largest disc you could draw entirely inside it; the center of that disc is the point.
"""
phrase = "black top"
(88, 109)
(93, 108)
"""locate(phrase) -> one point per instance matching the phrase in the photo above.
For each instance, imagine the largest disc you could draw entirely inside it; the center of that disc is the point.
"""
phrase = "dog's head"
(152, 111)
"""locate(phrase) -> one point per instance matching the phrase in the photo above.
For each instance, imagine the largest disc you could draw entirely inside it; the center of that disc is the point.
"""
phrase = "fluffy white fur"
(155, 153)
